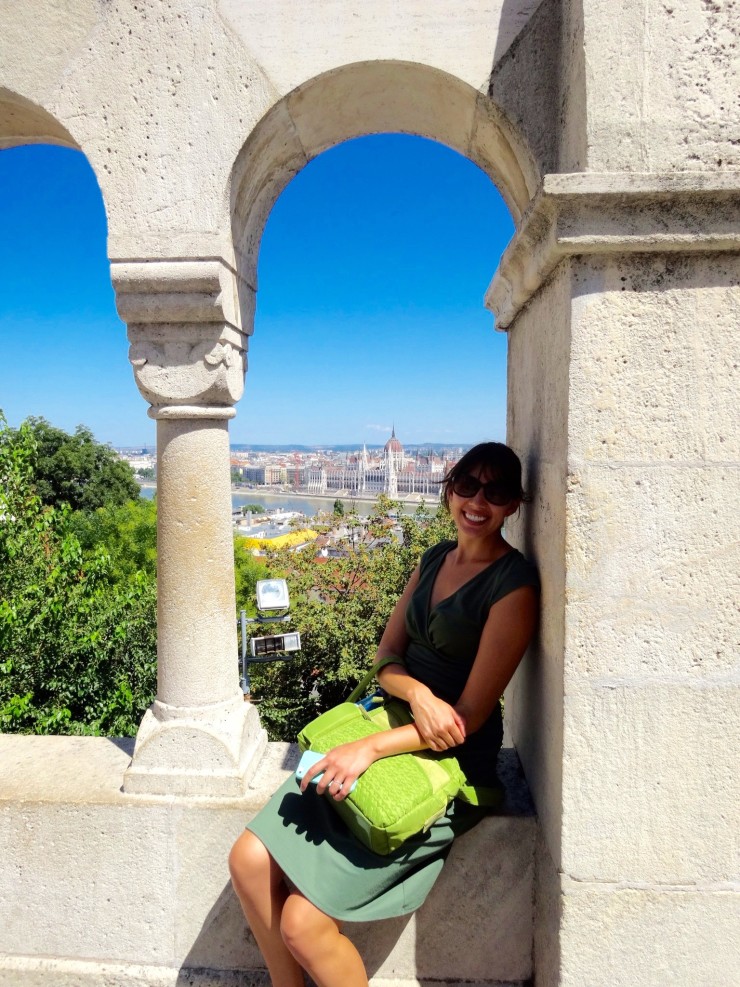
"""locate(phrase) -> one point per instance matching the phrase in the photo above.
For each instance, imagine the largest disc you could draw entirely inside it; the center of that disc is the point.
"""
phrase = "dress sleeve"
(519, 572)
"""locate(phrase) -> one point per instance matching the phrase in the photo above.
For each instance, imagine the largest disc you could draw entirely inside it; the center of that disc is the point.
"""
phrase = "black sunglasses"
(468, 486)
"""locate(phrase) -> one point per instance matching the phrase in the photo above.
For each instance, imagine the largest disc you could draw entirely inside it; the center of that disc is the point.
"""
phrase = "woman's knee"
(249, 861)
(304, 927)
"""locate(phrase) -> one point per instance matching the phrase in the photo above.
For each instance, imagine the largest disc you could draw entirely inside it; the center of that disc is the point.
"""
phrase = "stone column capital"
(187, 345)
(588, 213)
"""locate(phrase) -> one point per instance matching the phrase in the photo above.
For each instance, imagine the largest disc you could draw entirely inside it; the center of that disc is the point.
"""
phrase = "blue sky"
(372, 271)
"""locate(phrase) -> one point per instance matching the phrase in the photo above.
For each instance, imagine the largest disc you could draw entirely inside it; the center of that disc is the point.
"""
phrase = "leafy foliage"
(75, 469)
(128, 532)
(78, 597)
(247, 570)
(77, 645)
(340, 606)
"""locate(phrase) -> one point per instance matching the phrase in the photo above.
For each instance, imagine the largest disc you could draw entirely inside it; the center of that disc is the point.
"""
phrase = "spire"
(392, 478)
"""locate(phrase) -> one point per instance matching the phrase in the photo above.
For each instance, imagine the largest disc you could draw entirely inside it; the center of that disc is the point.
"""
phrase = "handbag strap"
(367, 678)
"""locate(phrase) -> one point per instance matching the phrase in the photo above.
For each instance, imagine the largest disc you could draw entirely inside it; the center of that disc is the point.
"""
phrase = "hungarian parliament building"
(391, 473)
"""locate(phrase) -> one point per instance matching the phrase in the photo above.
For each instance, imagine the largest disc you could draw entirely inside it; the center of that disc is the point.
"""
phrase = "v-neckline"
(438, 604)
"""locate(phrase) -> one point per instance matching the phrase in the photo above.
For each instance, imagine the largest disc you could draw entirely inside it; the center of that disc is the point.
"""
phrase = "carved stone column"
(189, 357)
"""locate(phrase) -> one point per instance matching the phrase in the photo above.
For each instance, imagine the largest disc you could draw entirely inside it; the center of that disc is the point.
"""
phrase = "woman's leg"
(316, 941)
(259, 885)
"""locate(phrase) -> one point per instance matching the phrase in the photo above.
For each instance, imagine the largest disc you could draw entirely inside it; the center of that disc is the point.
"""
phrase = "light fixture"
(272, 594)
(274, 644)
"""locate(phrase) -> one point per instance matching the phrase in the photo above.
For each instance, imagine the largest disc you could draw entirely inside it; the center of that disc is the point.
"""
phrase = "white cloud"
(379, 428)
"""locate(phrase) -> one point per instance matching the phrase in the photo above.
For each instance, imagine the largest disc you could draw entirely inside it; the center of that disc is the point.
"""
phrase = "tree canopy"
(76, 469)
(77, 643)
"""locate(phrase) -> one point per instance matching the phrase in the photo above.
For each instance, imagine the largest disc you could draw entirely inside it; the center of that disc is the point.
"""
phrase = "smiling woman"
(451, 645)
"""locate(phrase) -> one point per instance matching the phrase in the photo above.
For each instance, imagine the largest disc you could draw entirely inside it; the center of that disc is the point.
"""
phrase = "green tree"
(76, 469)
(127, 532)
(77, 648)
(247, 570)
(340, 606)
(338, 508)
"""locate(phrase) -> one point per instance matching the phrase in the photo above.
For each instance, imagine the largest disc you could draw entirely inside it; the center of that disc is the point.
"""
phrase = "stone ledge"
(33, 972)
(100, 887)
(90, 769)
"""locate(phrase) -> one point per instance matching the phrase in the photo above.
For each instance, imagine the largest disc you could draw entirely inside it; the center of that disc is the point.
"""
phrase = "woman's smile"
(474, 518)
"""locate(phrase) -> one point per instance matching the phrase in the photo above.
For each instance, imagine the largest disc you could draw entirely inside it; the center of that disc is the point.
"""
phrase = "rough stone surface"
(148, 881)
(655, 801)
(627, 936)
(671, 80)
(464, 40)
(538, 398)
(666, 337)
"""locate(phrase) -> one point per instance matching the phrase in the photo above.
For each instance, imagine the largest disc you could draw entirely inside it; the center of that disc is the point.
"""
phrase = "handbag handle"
(367, 678)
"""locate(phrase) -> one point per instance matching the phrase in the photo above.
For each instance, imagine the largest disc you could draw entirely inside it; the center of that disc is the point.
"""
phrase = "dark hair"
(502, 464)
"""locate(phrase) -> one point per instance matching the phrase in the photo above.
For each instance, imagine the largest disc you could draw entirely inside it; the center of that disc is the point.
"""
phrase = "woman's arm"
(344, 764)
(506, 635)
(439, 725)
(507, 632)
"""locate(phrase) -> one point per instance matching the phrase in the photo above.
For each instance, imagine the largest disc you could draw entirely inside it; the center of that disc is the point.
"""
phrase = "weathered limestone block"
(662, 86)
(657, 378)
(627, 936)
(655, 801)
(662, 598)
(579, 214)
(537, 407)
(464, 39)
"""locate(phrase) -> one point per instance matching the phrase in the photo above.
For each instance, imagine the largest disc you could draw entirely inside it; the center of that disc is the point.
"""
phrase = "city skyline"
(372, 271)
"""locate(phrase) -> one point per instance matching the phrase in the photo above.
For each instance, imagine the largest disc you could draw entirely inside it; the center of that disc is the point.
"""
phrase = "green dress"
(305, 835)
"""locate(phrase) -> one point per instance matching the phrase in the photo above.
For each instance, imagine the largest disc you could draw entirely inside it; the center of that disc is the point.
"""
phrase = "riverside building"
(391, 473)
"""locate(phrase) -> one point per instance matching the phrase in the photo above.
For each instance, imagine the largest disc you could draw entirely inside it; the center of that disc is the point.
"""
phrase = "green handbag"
(398, 796)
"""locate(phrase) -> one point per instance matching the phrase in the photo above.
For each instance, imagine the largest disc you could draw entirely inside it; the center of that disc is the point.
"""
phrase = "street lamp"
(272, 596)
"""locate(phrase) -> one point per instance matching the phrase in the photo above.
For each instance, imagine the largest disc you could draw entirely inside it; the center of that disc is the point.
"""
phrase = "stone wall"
(612, 133)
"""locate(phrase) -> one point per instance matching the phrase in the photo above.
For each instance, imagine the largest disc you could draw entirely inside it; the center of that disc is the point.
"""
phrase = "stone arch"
(25, 122)
(356, 100)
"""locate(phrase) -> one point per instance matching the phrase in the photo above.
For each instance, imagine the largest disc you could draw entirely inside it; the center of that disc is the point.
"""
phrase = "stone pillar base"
(198, 750)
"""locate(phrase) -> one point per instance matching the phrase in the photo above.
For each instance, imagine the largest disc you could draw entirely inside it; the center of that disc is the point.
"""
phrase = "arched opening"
(57, 297)
(373, 266)
(357, 100)
(56, 282)
(81, 642)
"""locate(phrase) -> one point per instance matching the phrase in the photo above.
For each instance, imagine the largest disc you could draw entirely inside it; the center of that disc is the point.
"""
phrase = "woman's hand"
(342, 766)
(438, 723)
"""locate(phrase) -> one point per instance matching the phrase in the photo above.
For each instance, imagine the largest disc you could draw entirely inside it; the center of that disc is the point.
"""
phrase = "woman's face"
(474, 515)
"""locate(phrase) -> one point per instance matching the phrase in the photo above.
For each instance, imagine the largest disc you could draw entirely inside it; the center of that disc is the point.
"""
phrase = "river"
(295, 502)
